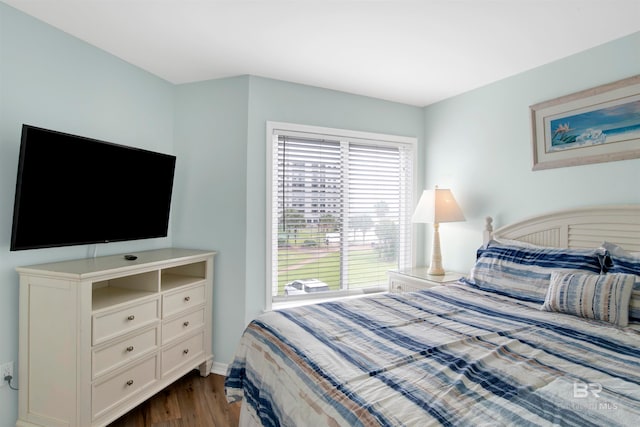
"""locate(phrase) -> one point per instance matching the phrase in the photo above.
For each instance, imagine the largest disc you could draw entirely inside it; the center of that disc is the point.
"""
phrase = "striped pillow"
(629, 263)
(600, 297)
(524, 271)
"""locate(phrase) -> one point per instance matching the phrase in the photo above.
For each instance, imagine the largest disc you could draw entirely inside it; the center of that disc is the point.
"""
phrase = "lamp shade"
(436, 206)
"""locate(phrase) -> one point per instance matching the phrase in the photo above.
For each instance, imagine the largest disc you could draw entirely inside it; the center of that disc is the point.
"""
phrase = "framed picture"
(593, 126)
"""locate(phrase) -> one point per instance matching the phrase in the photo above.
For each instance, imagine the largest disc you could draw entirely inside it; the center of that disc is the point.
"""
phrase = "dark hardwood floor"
(192, 401)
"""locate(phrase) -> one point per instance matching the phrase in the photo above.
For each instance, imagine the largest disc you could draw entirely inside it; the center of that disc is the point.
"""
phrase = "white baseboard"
(219, 368)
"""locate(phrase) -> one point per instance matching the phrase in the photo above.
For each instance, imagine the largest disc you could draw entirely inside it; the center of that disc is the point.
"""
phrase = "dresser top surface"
(87, 267)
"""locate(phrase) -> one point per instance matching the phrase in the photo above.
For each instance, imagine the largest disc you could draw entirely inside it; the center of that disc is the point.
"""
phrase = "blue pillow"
(592, 296)
(524, 271)
(621, 261)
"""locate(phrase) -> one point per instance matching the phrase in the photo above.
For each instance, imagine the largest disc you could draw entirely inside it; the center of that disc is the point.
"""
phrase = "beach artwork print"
(600, 126)
(596, 125)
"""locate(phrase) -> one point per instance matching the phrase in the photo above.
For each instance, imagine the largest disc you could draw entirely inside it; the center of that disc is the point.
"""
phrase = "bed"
(544, 330)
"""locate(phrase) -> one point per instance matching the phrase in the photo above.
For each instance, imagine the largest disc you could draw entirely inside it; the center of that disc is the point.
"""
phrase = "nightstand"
(416, 278)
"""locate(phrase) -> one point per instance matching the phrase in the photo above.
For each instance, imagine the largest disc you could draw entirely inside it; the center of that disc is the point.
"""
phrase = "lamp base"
(435, 269)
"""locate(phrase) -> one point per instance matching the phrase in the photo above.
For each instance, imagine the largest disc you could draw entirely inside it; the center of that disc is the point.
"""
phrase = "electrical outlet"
(6, 369)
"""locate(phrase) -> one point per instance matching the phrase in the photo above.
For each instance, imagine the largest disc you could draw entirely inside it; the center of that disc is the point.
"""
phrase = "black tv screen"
(73, 190)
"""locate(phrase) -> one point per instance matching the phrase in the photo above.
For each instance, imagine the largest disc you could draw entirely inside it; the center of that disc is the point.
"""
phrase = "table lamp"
(436, 206)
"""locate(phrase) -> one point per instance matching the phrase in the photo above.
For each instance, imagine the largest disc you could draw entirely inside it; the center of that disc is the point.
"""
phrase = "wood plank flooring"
(192, 401)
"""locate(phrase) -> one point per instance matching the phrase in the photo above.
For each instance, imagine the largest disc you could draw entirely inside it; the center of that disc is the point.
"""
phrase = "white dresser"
(99, 336)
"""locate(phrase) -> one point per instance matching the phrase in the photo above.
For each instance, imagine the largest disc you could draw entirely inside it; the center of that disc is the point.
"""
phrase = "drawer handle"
(187, 298)
(185, 324)
(130, 348)
(185, 351)
(131, 317)
(130, 383)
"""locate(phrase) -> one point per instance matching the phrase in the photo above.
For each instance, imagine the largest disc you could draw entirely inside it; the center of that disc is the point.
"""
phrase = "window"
(339, 210)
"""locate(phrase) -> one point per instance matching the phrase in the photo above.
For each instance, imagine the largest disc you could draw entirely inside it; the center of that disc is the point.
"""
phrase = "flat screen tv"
(73, 190)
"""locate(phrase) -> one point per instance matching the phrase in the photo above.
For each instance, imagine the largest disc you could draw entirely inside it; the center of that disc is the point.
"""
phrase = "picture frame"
(596, 125)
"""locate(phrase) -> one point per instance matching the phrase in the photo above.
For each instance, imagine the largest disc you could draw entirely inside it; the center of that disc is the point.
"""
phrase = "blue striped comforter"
(451, 355)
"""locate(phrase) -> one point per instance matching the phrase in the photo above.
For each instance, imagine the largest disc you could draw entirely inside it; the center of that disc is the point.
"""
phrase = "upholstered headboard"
(576, 228)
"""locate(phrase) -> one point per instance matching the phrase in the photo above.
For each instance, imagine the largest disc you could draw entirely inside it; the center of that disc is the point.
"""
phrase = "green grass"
(298, 238)
(365, 268)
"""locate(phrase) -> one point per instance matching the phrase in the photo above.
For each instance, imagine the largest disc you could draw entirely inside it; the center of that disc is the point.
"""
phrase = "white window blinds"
(340, 213)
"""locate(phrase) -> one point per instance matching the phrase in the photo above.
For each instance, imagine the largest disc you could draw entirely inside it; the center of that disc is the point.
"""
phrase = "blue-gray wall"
(52, 80)
(210, 209)
(477, 143)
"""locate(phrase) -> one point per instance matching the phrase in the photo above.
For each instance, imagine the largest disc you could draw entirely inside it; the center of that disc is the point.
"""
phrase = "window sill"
(307, 301)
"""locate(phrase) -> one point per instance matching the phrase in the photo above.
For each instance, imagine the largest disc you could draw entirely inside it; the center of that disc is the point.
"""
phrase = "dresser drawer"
(182, 325)
(117, 389)
(182, 299)
(112, 323)
(181, 353)
(116, 354)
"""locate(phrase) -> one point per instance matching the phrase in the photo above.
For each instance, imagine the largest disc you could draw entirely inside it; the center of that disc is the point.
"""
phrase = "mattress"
(450, 355)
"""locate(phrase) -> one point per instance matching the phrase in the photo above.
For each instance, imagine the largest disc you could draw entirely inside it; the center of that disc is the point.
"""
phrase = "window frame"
(310, 131)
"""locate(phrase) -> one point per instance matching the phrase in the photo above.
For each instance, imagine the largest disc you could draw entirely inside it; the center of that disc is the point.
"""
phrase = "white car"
(305, 286)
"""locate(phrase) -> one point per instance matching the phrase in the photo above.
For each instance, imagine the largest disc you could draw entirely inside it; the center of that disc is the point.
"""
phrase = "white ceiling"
(410, 51)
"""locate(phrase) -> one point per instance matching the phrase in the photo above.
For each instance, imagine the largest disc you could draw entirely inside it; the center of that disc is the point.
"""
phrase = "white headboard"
(576, 228)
